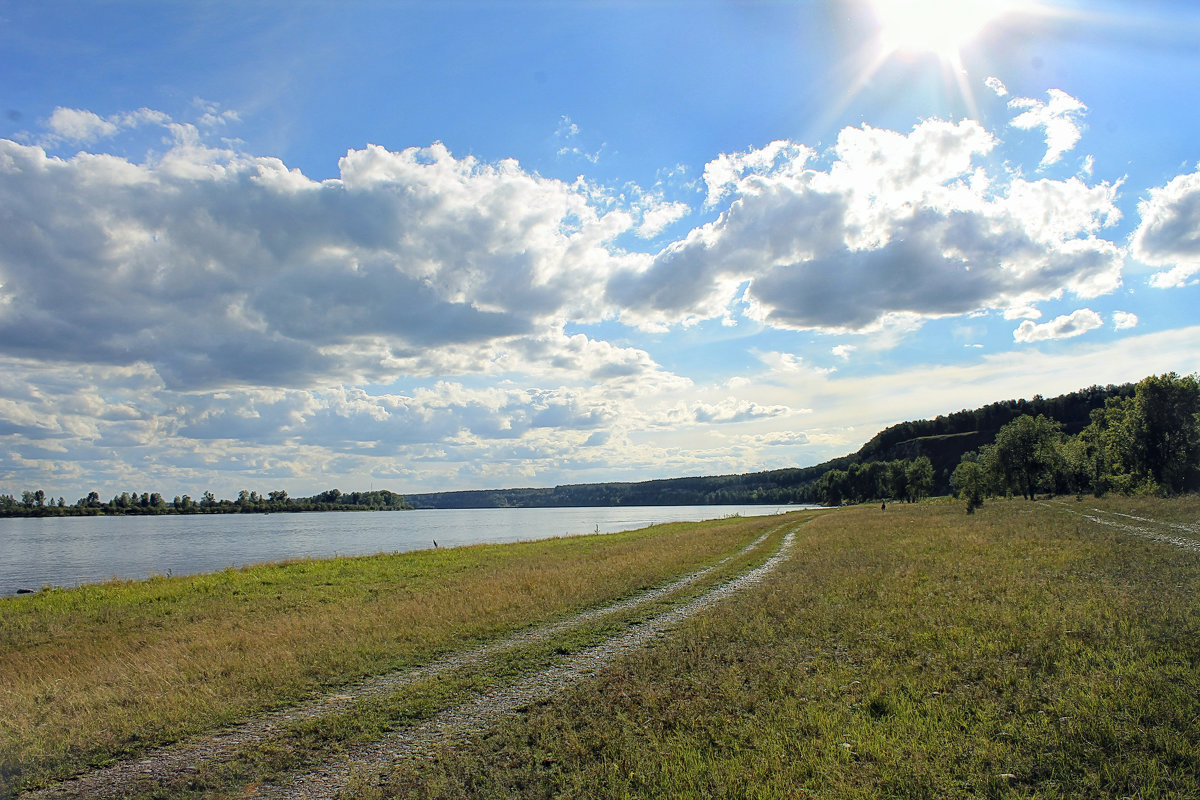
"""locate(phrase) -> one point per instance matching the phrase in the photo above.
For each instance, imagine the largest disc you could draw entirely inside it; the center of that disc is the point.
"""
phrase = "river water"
(69, 551)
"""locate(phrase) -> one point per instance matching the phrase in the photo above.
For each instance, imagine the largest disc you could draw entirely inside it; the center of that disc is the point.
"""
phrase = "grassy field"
(912, 653)
(916, 652)
(99, 672)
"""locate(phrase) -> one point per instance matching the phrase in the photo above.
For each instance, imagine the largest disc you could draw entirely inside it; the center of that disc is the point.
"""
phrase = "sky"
(425, 246)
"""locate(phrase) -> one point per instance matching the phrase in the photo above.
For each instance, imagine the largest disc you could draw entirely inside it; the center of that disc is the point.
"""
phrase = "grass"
(303, 744)
(99, 672)
(913, 653)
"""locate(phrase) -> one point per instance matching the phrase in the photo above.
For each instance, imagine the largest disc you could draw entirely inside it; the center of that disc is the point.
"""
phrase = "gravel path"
(1154, 531)
(475, 716)
(111, 782)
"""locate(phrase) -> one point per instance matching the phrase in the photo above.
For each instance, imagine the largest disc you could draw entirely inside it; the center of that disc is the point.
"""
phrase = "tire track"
(1182, 542)
(1179, 526)
(476, 715)
(113, 781)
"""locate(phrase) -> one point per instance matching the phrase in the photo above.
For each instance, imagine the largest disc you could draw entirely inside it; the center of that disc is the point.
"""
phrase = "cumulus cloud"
(898, 227)
(1168, 235)
(734, 172)
(1124, 320)
(1067, 326)
(658, 215)
(218, 268)
(997, 86)
(1059, 118)
(79, 126)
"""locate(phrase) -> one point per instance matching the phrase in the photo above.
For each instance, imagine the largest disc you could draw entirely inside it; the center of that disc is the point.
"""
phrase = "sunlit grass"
(100, 671)
(912, 653)
(299, 746)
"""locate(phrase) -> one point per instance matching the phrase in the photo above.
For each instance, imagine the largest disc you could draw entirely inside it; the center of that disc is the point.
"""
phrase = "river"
(69, 551)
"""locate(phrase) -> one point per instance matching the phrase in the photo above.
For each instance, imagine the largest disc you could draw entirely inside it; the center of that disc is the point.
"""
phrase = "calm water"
(68, 551)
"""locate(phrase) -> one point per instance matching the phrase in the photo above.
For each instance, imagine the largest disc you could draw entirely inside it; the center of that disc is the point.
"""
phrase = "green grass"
(301, 745)
(101, 672)
(913, 653)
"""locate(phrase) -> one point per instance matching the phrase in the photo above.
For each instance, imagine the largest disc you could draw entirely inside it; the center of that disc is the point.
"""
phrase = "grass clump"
(917, 653)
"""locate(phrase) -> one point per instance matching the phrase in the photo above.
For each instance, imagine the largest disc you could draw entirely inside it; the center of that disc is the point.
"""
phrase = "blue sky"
(426, 246)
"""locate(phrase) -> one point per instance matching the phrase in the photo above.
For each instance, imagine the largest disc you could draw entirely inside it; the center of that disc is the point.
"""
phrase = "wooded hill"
(943, 440)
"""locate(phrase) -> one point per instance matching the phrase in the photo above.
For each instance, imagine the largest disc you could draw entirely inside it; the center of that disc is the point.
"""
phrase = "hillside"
(943, 440)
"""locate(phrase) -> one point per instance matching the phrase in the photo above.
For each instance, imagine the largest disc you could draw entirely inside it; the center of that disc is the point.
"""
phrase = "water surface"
(69, 551)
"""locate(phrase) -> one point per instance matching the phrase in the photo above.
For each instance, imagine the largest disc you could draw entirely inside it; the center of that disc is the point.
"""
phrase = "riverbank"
(35, 553)
(106, 671)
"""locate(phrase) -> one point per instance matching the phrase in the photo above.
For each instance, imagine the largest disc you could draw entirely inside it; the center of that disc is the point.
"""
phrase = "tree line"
(907, 480)
(1145, 443)
(37, 504)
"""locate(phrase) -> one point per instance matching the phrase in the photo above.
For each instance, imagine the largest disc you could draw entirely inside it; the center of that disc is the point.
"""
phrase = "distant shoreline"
(72, 511)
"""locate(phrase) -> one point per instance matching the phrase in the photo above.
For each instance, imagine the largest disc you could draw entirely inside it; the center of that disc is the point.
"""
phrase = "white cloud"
(789, 363)
(899, 227)
(77, 125)
(80, 126)
(997, 86)
(1124, 320)
(734, 172)
(733, 410)
(219, 269)
(1168, 235)
(659, 215)
(843, 351)
(777, 439)
(1067, 326)
(1059, 118)
(1022, 312)
(566, 128)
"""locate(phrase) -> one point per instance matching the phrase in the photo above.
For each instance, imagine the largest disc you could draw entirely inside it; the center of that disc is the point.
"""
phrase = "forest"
(1147, 444)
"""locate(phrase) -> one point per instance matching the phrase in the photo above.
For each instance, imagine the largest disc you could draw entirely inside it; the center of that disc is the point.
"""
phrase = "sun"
(940, 27)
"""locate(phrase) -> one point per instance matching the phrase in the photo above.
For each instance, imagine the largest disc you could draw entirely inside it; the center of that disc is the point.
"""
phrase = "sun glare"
(940, 27)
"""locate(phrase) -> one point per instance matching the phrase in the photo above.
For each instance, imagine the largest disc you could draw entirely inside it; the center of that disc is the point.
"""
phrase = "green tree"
(1165, 427)
(970, 482)
(831, 487)
(1081, 464)
(898, 479)
(1026, 452)
(919, 478)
